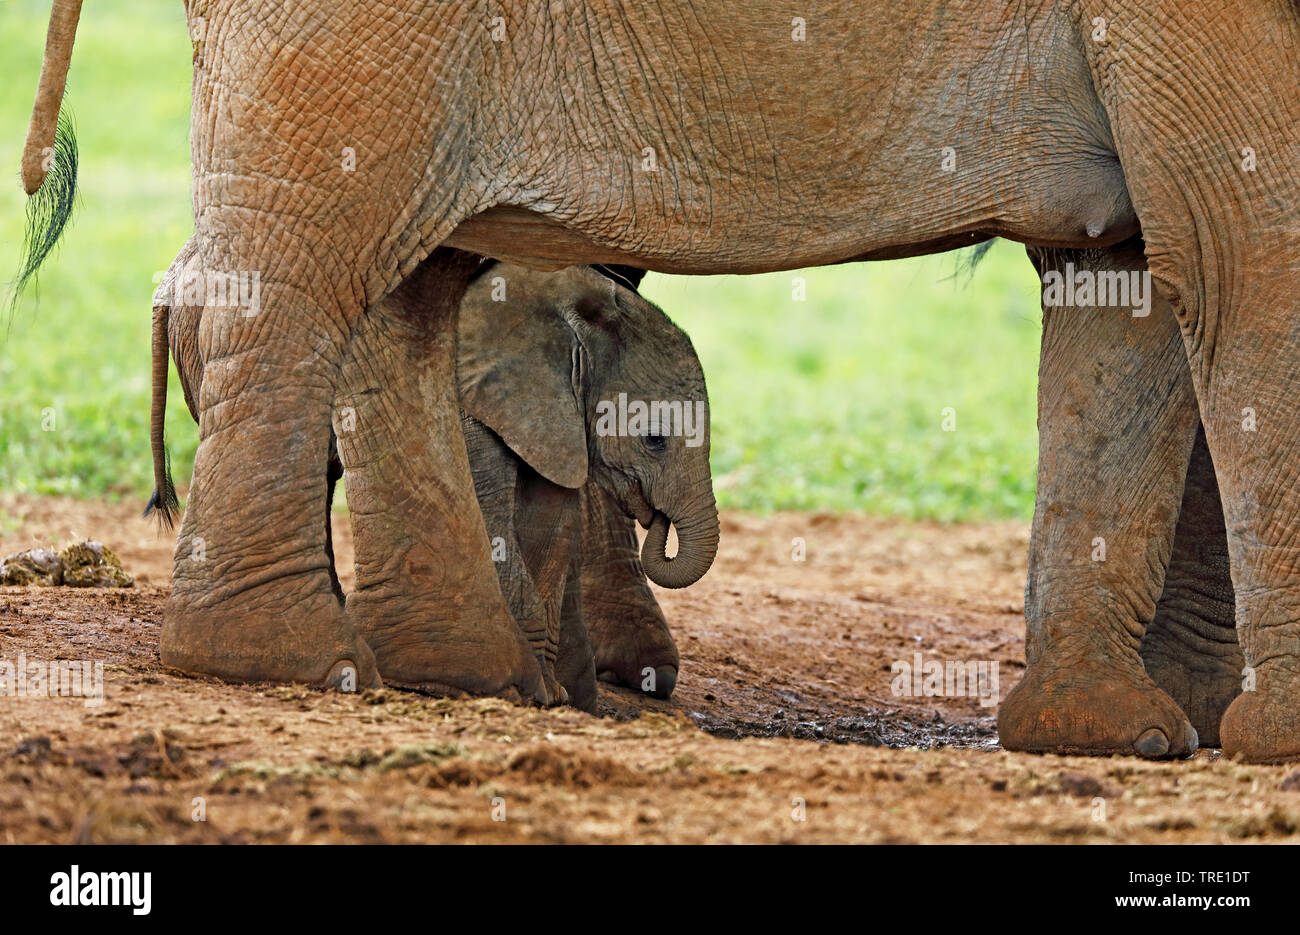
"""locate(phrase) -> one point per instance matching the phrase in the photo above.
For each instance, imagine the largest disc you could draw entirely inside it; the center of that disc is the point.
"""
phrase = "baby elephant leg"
(575, 666)
(549, 526)
(497, 484)
(629, 634)
(547, 522)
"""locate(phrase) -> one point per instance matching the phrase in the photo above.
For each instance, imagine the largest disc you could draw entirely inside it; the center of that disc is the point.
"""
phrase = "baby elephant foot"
(634, 649)
(1263, 726)
(553, 691)
(1080, 709)
(313, 646)
(345, 676)
(575, 667)
(577, 679)
(656, 681)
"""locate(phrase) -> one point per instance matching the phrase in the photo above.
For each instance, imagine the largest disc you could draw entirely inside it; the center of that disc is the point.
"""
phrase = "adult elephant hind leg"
(251, 595)
(1117, 419)
(629, 635)
(427, 599)
(325, 163)
(1190, 649)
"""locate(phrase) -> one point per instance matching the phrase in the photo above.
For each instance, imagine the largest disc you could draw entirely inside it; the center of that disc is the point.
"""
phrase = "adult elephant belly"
(696, 144)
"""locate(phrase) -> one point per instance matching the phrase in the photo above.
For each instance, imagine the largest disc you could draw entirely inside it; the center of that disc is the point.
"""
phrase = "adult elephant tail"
(49, 165)
(164, 501)
(42, 131)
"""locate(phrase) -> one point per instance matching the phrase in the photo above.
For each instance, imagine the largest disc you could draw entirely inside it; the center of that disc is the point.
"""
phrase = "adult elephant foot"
(1263, 726)
(631, 652)
(254, 641)
(427, 599)
(1083, 707)
(629, 635)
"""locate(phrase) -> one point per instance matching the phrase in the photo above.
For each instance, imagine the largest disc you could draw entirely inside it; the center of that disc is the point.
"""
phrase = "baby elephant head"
(573, 369)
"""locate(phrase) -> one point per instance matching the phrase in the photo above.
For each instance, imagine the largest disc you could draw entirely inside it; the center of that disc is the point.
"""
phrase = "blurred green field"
(834, 402)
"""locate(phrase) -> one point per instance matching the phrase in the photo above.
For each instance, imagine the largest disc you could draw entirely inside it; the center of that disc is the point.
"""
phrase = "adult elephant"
(336, 148)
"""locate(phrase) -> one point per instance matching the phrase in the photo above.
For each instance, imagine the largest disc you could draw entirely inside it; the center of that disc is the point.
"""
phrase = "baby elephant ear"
(515, 370)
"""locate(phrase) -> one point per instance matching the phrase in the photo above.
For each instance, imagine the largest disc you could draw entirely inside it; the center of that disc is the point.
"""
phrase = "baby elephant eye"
(656, 442)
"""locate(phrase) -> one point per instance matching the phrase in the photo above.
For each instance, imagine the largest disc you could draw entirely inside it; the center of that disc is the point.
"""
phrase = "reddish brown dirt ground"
(783, 729)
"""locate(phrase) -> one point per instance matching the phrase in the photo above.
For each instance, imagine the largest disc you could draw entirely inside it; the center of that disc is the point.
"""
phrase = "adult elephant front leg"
(1117, 420)
(427, 599)
(1252, 430)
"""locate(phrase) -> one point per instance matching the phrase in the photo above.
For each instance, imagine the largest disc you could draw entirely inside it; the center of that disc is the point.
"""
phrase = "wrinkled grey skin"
(531, 369)
(1190, 648)
(1124, 466)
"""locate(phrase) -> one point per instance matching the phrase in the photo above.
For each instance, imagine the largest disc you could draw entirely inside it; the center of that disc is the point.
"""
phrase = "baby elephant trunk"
(697, 544)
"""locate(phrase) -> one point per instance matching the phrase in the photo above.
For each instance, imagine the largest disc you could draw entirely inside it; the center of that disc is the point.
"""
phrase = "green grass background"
(835, 402)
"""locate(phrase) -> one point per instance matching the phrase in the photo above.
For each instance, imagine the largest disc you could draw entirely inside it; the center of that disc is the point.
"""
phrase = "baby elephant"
(579, 398)
(571, 385)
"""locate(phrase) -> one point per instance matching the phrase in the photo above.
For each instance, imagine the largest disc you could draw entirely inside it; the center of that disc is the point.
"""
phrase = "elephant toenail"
(342, 676)
(1152, 743)
(608, 677)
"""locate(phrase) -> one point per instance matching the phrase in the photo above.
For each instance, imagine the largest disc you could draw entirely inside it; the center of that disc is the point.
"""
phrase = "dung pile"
(80, 565)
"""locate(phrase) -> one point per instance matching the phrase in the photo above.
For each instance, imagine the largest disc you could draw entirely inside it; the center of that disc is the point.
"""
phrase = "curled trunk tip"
(697, 544)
